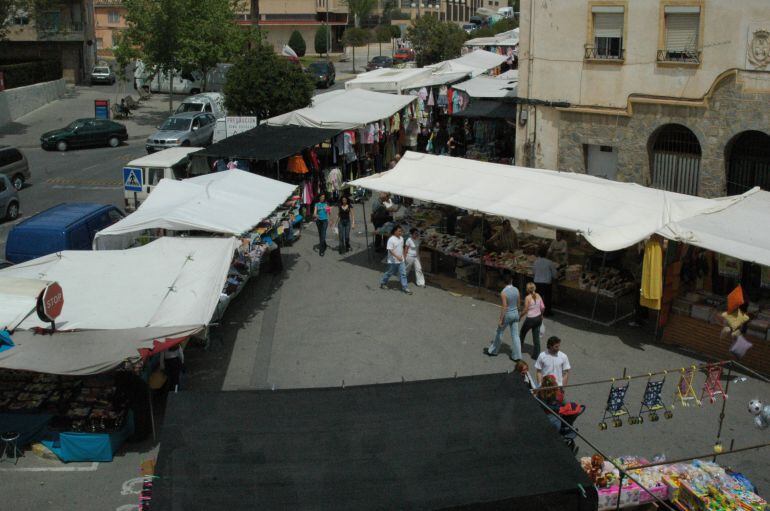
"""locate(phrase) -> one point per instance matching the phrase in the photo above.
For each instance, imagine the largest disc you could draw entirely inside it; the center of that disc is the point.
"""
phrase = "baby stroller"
(569, 412)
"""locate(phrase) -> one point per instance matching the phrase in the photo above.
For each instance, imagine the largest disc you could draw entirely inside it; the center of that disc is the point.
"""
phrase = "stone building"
(673, 94)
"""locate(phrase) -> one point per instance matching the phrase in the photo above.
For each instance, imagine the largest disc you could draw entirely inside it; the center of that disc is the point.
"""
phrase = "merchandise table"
(71, 446)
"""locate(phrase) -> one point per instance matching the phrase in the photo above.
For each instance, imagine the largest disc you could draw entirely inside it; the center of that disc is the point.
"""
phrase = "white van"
(172, 163)
(212, 102)
(184, 83)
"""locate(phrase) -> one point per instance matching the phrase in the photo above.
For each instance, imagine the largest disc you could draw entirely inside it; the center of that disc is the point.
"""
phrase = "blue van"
(69, 226)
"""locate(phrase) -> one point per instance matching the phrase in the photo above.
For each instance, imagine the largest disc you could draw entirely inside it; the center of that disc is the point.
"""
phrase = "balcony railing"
(59, 28)
(593, 53)
(685, 56)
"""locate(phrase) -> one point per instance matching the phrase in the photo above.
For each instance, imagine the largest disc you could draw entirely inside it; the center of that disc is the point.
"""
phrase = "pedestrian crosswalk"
(63, 182)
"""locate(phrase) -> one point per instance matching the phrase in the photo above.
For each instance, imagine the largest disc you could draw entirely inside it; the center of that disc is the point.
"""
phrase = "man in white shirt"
(413, 257)
(544, 271)
(557, 251)
(396, 264)
(553, 362)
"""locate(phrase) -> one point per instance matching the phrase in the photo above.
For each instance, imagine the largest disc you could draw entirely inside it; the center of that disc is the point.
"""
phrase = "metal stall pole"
(481, 254)
(596, 298)
(663, 287)
(366, 230)
(278, 169)
(722, 412)
(152, 413)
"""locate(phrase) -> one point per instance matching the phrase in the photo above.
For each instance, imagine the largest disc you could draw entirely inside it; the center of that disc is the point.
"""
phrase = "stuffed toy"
(734, 317)
(760, 412)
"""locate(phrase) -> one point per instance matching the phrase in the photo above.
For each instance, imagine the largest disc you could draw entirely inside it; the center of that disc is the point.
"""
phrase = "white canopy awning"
(475, 63)
(736, 231)
(387, 79)
(18, 298)
(488, 87)
(171, 282)
(509, 38)
(609, 214)
(229, 202)
(344, 109)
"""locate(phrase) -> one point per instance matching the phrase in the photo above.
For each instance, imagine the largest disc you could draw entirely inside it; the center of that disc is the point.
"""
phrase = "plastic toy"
(652, 402)
(616, 406)
(685, 392)
(713, 385)
(760, 412)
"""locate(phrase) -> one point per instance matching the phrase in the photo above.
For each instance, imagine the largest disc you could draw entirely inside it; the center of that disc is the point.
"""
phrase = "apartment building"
(673, 94)
(109, 19)
(65, 31)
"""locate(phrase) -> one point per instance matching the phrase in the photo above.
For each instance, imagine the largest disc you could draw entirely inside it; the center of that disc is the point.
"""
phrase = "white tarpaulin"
(488, 87)
(345, 109)
(229, 202)
(84, 352)
(18, 298)
(388, 79)
(476, 62)
(509, 38)
(609, 214)
(739, 230)
(170, 282)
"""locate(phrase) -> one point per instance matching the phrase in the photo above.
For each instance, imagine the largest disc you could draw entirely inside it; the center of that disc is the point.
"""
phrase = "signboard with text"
(235, 125)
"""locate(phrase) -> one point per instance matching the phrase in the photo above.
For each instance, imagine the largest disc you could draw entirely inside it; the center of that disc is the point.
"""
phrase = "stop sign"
(50, 303)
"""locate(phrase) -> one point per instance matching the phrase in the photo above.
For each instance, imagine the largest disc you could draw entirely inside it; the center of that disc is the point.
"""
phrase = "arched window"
(747, 157)
(675, 159)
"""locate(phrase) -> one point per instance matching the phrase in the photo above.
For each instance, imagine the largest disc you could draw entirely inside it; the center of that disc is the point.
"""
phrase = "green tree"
(353, 37)
(435, 40)
(264, 85)
(504, 25)
(382, 35)
(30, 9)
(360, 10)
(297, 43)
(321, 43)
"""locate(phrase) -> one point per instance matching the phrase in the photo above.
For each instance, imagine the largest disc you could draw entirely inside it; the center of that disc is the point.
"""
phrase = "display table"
(571, 285)
(70, 446)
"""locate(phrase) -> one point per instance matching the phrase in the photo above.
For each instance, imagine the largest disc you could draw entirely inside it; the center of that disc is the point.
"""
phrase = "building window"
(21, 18)
(608, 33)
(675, 159)
(99, 43)
(113, 17)
(682, 32)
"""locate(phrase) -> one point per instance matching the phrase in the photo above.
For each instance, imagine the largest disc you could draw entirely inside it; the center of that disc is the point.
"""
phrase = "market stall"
(414, 445)
(504, 43)
(475, 63)
(610, 216)
(79, 388)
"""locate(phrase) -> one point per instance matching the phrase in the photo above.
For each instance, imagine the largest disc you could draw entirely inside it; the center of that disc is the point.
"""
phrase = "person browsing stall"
(346, 220)
(504, 240)
(544, 271)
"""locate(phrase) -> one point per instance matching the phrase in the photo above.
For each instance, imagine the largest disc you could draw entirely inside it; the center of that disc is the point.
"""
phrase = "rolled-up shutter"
(608, 24)
(682, 31)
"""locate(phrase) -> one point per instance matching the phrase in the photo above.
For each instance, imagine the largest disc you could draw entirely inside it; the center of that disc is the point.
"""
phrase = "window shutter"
(682, 31)
(608, 25)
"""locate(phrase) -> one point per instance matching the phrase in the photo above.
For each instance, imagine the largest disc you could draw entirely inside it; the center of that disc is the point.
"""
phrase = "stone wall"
(17, 102)
(738, 103)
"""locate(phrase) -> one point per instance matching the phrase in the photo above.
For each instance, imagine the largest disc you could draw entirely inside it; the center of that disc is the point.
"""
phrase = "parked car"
(379, 62)
(187, 129)
(102, 74)
(69, 226)
(9, 199)
(14, 164)
(322, 72)
(85, 133)
(211, 102)
(403, 55)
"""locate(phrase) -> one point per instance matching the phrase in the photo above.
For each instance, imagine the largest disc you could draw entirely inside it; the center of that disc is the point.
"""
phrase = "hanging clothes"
(431, 102)
(297, 165)
(652, 275)
(442, 99)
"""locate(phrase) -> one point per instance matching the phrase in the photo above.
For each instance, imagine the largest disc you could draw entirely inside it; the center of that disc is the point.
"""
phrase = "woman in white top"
(413, 257)
(533, 308)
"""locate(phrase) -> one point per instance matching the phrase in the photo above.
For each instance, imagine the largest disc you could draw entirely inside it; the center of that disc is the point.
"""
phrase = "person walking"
(533, 308)
(509, 318)
(544, 271)
(396, 263)
(172, 362)
(413, 258)
(553, 362)
(321, 217)
(346, 219)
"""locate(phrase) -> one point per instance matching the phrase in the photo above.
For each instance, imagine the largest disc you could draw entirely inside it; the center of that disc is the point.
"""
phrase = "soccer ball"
(755, 407)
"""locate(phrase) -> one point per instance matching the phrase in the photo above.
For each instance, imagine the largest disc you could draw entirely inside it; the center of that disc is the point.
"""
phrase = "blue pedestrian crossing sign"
(132, 179)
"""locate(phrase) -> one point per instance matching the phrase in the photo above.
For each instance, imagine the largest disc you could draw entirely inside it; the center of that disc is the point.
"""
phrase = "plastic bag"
(542, 329)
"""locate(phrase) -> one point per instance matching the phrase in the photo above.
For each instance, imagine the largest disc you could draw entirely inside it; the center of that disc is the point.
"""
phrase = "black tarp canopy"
(268, 143)
(488, 109)
(478, 442)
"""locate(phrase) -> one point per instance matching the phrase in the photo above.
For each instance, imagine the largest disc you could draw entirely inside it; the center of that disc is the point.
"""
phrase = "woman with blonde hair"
(533, 307)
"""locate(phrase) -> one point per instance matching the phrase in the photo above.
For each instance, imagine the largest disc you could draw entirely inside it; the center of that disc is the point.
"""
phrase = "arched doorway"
(675, 159)
(748, 162)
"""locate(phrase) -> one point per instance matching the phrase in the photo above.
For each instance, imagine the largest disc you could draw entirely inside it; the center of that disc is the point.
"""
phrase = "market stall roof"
(611, 215)
(488, 109)
(434, 444)
(345, 109)
(509, 38)
(170, 282)
(476, 62)
(162, 158)
(489, 87)
(268, 143)
(229, 202)
(85, 352)
(387, 79)
(18, 297)
(739, 230)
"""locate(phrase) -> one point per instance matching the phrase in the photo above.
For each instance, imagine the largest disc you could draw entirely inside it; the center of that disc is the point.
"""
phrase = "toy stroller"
(713, 386)
(569, 412)
(616, 406)
(652, 402)
(684, 389)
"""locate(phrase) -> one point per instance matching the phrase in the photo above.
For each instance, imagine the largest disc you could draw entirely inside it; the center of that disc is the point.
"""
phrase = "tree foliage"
(434, 40)
(297, 43)
(353, 37)
(264, 85)
(360, 9)
(321, 43)
(30, 9)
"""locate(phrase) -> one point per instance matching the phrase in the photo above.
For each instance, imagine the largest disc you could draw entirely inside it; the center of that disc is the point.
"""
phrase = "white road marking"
(76, 187)
(91, 468)
(132, 486)
(128, 507)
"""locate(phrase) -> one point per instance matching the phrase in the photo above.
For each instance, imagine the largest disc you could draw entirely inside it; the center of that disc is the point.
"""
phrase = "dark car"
(322, 72)
(379, 62)
(85, 133)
